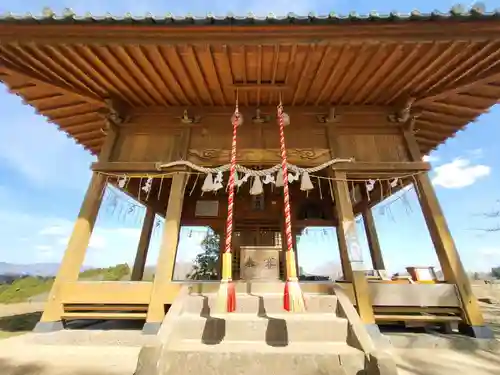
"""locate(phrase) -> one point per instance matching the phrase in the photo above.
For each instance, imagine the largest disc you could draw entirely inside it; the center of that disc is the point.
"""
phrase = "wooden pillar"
(349, 246)
(143, 246)
(344, 254)
(372, 238)
(446, 250)
(346, 227)
(164, 290)
(295, 249)
(343, 206)
(220, 231)
(74, 255)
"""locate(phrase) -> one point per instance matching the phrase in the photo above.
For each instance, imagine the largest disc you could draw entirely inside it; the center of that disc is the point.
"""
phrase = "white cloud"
(41, 156)
(430, 158)
(459, 173)
(489, 251)
(55, 230)
(43, 248)
(35, 238)
(104, 238)
(476, 153)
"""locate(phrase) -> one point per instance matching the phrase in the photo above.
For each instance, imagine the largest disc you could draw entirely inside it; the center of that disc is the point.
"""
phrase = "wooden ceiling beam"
(83, 127)
(356, 167)
(34, 78)
(95, 143)
(260, 86)
(469, 111)
(435, 124)
(433, 134)
(426, 142)
(177, 111)
(490, 76)
(98, 33)
(444, 118)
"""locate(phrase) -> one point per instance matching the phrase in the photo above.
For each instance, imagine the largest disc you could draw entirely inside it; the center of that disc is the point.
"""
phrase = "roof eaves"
(69, 17)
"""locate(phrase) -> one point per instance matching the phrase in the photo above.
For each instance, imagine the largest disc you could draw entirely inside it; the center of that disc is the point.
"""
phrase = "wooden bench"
(417, 318)
(415, 310)
(104, 311)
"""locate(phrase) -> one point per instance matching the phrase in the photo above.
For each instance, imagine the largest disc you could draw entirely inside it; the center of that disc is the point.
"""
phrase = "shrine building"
(285, 122)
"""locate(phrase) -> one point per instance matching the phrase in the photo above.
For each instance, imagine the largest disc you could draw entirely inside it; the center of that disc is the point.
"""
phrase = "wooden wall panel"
(144, 141)
(159, 135)
(143, 147)
(371, 147)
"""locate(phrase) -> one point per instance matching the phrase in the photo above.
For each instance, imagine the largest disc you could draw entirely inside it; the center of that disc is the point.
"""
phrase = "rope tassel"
(226, 297)
(293, 299)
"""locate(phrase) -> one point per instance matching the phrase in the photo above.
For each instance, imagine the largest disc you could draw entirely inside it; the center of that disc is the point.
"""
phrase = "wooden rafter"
(36, 79)
(162, 79)
(490, 76)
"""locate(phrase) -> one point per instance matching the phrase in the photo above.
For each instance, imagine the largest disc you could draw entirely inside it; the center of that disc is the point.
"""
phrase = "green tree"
(206, 263)
(495, 272)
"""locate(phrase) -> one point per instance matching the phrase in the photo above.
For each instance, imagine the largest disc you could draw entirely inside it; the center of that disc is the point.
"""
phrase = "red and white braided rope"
(286, 193)
(230, 198)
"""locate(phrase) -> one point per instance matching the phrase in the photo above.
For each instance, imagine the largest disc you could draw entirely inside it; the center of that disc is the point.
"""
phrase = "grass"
(25, 288)
(15, 325)
(116, 273)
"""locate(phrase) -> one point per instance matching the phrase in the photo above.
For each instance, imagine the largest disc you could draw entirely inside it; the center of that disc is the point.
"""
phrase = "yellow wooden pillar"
(74, 255)
(164, 291)
(372, 238)
(219, 230)
(143, 246)
(446, 250)
(344, 254)
(346, 226)
(350, 251)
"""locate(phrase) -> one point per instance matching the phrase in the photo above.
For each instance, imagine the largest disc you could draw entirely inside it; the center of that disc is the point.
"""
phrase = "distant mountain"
(34, 269)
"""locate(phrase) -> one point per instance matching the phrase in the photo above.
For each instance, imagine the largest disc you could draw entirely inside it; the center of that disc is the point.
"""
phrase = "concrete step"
(31, 359)
(249, 358)
(92, 337)
(265, 303)
(275, 328)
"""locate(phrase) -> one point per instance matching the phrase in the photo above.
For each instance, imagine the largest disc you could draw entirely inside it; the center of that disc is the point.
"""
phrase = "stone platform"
(259, 338)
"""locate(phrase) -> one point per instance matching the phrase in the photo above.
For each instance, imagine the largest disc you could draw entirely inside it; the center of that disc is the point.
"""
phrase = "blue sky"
(43, 174)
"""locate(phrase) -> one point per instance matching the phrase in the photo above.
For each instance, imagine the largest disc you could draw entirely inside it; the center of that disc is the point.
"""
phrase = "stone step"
(266, 303)
(31, 359)
(92, 337)
(250, 358)
(278, 329)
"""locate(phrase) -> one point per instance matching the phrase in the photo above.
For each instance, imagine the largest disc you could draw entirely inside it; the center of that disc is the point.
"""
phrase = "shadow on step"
(215, 328)
(277, 330)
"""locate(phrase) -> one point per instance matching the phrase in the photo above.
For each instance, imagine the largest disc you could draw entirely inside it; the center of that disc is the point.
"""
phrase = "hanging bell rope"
(293, 299)
(226, 297)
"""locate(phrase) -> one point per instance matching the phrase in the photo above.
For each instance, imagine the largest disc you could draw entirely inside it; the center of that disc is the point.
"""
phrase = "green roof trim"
(457, 12)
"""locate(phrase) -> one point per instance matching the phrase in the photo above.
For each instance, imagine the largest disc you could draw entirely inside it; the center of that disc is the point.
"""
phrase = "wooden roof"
(66, 67)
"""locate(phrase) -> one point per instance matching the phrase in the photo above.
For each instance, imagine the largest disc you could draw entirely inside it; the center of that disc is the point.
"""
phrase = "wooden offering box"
(259, 263)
